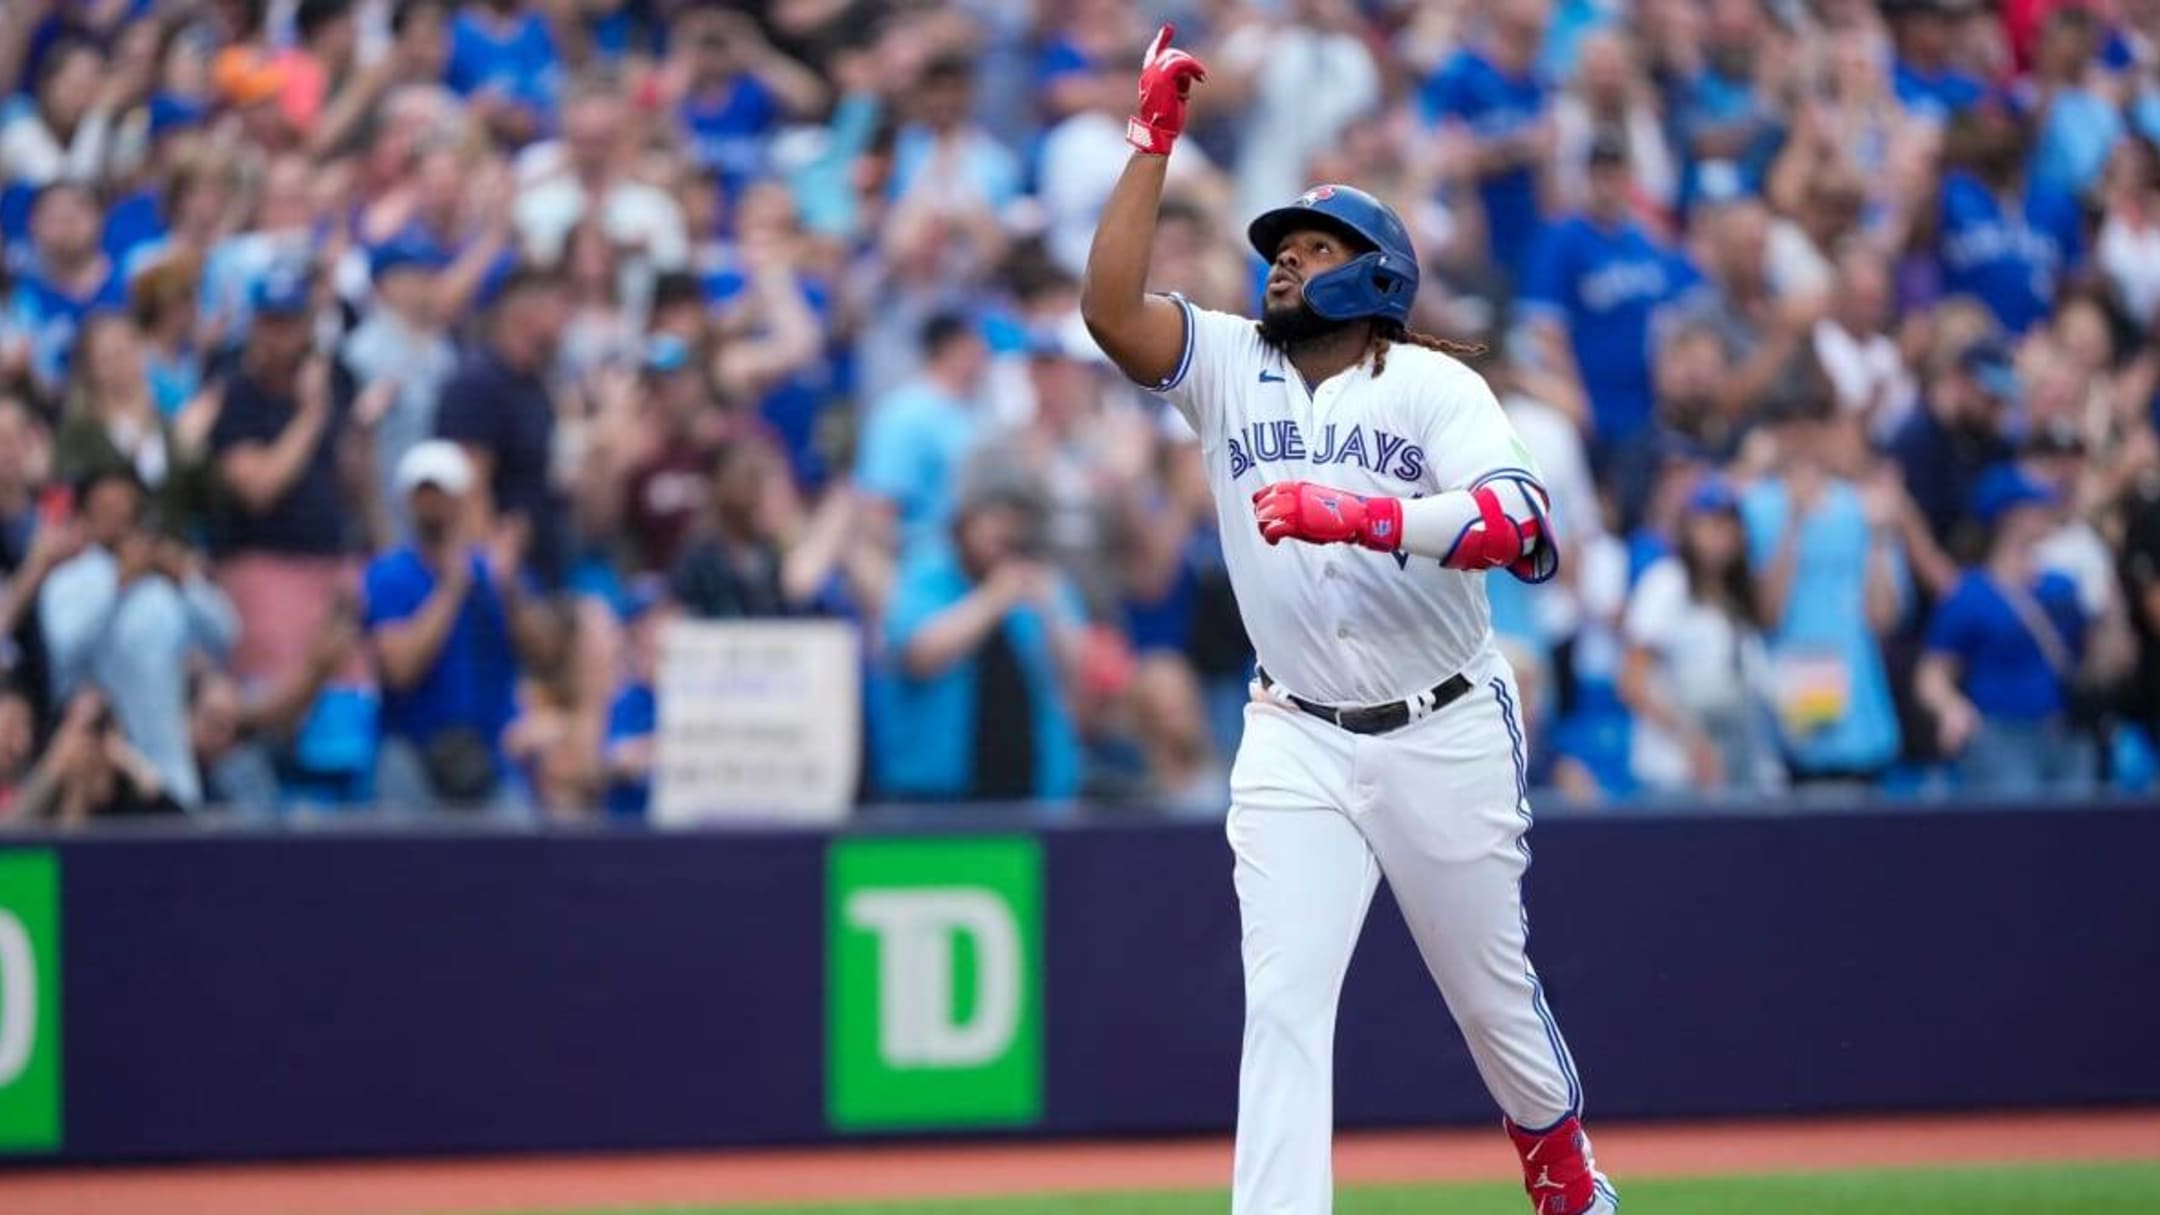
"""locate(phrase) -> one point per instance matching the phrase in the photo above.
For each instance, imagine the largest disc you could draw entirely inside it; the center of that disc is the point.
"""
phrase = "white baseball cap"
(436, 462)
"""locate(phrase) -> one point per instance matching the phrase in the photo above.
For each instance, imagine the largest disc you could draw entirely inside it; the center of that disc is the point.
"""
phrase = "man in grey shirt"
(126, 615)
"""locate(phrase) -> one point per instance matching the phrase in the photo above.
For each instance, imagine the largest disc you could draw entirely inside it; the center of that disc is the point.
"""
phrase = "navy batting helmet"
(1380, 282)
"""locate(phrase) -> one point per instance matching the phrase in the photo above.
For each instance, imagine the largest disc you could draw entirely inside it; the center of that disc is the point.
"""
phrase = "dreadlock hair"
(1386, 333)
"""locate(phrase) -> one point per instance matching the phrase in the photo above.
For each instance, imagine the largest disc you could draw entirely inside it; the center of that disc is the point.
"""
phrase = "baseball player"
(1367, 484)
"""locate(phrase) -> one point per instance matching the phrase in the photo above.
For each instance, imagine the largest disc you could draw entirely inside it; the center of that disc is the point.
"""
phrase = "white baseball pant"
(1318, 815)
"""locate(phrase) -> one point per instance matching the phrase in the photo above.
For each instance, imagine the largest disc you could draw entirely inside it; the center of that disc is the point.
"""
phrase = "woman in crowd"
(1697, 675)
(112, 420)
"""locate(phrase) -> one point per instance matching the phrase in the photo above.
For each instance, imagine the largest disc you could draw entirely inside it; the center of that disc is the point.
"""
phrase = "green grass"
(2088, 1189)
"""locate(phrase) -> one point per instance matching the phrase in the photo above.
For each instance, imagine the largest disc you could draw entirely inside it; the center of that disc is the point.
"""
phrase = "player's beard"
(1296, 325)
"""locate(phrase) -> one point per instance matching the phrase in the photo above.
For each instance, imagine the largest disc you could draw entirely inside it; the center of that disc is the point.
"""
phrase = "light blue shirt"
(134, 645)
(923, 729)
(2072, 150)
(1824, 617)
(986, 166)
(913, 445)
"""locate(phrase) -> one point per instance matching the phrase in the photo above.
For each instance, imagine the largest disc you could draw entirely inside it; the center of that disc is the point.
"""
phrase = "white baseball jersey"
(1338, 623)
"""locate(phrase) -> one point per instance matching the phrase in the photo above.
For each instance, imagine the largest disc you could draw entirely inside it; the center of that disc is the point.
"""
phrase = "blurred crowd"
(380, 378)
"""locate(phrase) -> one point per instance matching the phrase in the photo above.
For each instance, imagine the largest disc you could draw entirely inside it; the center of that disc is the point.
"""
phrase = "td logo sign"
(934, 1015)
(29, 1002)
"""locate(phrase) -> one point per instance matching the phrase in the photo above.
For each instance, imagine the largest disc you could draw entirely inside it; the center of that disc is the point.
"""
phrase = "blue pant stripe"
(1522, 809)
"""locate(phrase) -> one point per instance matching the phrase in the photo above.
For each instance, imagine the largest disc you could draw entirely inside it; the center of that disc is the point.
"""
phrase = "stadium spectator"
(1855, 348)
(943, 157)
(401, 343)
(1589, 296)
(499, 407)
(1961, 431)
(420, 42)
(162, 301)
(278, 238)
(2076, 117)
(111, 419)
(982, 637)
(2001, 237)
(1491, 90)
(126, 616)
(1763, 329)
(67, 134)
(1296, 80)
(90, 769)
(1082, 458)
(451, 623)
(66, 277)
(681, 430)
(286, 446)
(1183, 772)
(1609, 104)
(915, 441)
(2003, 654)
(1731, 113)
(735, 90)
(757, 555)
(505, 62)
(1831, 583)
(1930, 83)
(587, 175)
(1697, 676)
(2128, 249)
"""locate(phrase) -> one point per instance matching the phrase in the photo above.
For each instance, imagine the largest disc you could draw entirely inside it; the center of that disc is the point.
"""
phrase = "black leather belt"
(1381, 719)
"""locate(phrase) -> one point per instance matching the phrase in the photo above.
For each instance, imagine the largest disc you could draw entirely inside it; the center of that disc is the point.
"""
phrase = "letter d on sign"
(919, 932)
(29, 1001)
(935, 983)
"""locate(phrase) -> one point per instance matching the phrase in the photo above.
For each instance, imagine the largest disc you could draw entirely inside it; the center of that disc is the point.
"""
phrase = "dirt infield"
(809, 1175)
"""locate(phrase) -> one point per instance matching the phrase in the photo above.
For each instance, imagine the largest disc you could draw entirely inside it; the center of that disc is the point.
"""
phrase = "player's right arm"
(1143, 334)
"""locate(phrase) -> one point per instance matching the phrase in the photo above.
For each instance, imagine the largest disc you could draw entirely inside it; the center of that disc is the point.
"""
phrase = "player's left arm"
(1495, 514)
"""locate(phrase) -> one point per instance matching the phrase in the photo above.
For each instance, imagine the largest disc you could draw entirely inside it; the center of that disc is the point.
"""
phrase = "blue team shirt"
(474, 680)
(1605, 284)
(2010, 260)
(923, 730)
(1471, 90)
(522, 63)
(1935, 95)
(727, 129)
(135, 221)
(2002, 669)
(50, 317)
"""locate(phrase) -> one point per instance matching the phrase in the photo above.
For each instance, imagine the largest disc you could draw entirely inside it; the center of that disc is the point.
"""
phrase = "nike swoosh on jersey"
(1267, 378)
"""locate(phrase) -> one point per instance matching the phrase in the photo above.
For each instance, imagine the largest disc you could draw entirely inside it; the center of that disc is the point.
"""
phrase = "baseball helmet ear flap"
(1369, 285)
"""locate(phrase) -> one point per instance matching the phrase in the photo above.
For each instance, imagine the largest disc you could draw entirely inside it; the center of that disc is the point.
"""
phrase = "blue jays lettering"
(1376, 451)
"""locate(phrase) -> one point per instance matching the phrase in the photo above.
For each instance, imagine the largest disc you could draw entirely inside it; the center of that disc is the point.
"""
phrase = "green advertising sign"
(29, 1001)
(934, 966)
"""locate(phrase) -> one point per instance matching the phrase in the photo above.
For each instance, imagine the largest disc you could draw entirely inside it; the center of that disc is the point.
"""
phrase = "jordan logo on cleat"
(1544, 1180)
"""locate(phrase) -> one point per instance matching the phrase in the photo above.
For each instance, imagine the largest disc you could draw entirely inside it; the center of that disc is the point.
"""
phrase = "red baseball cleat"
(1559, 1173)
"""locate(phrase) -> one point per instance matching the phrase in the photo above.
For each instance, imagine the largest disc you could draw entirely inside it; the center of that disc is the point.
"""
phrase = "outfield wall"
(245, 995)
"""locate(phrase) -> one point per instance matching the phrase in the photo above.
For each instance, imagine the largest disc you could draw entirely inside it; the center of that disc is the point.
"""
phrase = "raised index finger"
(1162, 39)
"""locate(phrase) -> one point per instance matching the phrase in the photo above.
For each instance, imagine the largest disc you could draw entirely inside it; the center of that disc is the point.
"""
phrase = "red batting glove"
(1319, 514)
(1166, 78)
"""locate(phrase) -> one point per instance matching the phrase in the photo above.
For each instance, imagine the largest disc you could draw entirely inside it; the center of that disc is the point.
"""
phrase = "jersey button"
(1328, 570)
(1342, 633)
